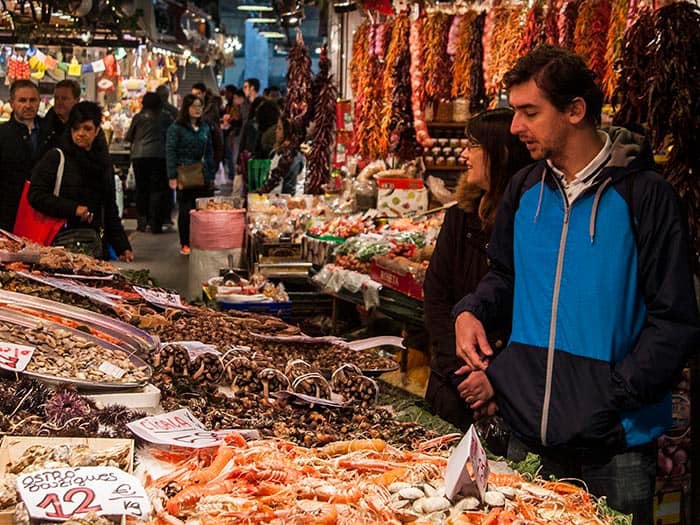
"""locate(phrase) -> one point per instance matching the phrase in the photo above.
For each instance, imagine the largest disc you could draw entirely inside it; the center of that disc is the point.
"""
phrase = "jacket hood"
(629, 150)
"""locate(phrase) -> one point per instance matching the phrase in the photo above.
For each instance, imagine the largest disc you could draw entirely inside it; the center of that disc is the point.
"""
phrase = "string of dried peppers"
(319, 158)
(567, 23)
(505, 38)
(436, 59)
(478, 99)
(534, 31)
(614, 41)
(462, 64)
(592, 23)
(298, 84)
(418, 96)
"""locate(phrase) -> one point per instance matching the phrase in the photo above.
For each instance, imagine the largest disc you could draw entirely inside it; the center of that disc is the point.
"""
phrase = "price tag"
(467, 468)
(161, 298)
(61, 493)
(15, 357)
(179, 428)
(111, 370)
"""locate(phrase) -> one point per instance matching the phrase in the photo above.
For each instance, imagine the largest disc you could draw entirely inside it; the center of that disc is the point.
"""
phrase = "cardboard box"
(397, 197)
(12, 448)
(402, 282)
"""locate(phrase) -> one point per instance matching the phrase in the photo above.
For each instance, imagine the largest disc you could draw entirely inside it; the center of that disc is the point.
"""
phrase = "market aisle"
(160, 254)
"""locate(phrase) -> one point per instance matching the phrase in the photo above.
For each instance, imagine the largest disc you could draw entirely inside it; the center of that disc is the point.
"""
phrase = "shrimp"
(189, 496)
(223, 456)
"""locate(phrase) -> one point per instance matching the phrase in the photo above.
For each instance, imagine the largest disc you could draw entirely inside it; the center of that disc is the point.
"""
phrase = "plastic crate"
(258, 171)
(281, 310)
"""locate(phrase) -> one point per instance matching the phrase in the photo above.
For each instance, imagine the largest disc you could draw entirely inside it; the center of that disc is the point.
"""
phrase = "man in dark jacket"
(66, 94)
(589, 252)
(22, 141)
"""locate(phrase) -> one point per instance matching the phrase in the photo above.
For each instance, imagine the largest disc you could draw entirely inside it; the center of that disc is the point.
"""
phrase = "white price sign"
(15, 357)
(467, 468)
(62, 493)
(182, 429)
(161, 298)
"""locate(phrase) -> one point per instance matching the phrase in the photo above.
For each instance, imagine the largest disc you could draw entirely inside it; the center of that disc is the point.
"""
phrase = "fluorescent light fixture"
(272, 34)
(255, 7)
(261, 20)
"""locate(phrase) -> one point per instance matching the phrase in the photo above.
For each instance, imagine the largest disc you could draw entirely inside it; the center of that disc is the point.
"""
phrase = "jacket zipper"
(553, 319)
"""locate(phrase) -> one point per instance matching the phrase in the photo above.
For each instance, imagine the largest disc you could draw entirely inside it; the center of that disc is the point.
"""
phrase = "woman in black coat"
(459, 260)
(87, 195)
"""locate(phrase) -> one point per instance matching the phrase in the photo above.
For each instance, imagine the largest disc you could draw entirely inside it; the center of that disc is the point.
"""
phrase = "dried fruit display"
(298, 84)
(591, 29)
(534, 31)
(674, 105)
(614, 42)
(462, 64)
(418, 96)
(567, 23)
(478, 99)
(504, 41)
(319, 159)
(634, 65)
(435, 58)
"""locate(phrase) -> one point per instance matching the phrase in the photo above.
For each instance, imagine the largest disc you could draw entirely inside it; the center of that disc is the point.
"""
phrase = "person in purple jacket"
(459, 260)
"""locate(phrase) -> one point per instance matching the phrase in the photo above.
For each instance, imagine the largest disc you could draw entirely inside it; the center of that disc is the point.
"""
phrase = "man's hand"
(84, 213)
(127, 256)
(476, 389)
(472, 346)
(172, 183)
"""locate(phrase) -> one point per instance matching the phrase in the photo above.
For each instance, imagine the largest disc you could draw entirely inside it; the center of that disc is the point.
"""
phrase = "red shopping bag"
(34, 225)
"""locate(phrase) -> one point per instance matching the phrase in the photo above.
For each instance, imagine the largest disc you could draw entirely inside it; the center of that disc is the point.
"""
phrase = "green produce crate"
(258, 171)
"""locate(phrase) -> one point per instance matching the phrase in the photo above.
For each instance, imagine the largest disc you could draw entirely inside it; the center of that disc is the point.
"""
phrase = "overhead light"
(344, 6)
(260, 20)
(272, 34)
(255, 7)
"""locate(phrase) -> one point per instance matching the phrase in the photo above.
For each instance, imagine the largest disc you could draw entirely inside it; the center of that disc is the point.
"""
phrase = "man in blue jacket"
(589, 257)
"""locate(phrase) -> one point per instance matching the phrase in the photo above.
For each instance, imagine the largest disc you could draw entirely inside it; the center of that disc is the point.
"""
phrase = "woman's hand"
(476, 389)
(127, 256)
(84, 213)
(172, 183)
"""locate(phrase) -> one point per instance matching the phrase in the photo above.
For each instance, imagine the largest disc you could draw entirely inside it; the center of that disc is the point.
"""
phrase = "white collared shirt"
(585, 178)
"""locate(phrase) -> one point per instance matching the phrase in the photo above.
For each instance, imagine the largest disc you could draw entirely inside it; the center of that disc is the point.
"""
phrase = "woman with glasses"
(189, 142)
(459, 261)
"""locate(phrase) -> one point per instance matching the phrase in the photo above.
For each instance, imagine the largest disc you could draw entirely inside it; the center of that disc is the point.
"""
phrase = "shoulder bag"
(33, 224)
(191, 176)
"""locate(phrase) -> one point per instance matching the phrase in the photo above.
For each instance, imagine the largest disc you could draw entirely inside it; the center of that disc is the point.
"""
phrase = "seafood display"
(63, 353)
(355, 481)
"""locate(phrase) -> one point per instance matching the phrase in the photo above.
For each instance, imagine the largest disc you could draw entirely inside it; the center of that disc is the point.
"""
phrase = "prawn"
(223, 456)
(189, 496)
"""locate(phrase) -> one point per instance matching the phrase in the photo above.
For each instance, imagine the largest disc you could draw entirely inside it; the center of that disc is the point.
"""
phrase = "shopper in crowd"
(272, 93)
(23, 139)
(287, 162)
(66, 94)
(211, 114)
(189, 142)
(230, 115)
(251, 88)
(164, 93)
(250, 134)
(459, 261)
(199, 89)
(147, 135)
(589, 253)
(87, 195)
(267, 117)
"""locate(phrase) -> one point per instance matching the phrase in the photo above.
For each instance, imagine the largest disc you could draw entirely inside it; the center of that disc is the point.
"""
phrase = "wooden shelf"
(444, 167)
(446, 125)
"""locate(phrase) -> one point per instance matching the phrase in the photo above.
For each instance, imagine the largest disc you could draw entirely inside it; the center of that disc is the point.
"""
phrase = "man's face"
(198, 93)
(25, 103)
(63, 102)
(537, 122)
(237, 100)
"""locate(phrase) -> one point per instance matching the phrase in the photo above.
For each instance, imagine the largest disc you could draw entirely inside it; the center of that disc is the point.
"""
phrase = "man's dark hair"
(152, 102)
(22, 83)
(70, 84)
(254, 83)
(230, 88)
(84, 111)
(562, 75)
(267, 114)
(239, 93)
(200, 86)
(163, 92)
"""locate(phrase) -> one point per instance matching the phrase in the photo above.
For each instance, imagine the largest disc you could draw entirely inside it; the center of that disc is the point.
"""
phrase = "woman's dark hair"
(84, 111)
(562, 75)
(504, 153)
(267, 115)
(183, 117)
(152, 102)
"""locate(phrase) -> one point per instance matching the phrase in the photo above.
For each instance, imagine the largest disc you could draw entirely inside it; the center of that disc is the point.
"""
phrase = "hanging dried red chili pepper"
(461, 66)
(534, 31)
(568, 17)
(436, 59)
(298, 84)
(478, 99)
(591, 29)
(615, 37)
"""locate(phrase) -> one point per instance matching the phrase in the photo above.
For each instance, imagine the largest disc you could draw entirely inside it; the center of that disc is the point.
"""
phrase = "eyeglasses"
(472, 144)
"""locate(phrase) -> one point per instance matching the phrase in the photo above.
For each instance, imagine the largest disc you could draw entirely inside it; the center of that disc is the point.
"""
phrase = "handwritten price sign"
(161, 298)
(182, 429)
(15, 357)
(62, 493)
(467, 468)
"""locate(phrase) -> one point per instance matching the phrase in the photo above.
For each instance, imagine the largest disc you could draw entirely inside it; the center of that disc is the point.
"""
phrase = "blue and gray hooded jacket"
(601, 295)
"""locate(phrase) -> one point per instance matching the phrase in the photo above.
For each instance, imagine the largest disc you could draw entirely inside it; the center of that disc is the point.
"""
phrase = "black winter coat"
(16, 162)
(87, 181)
